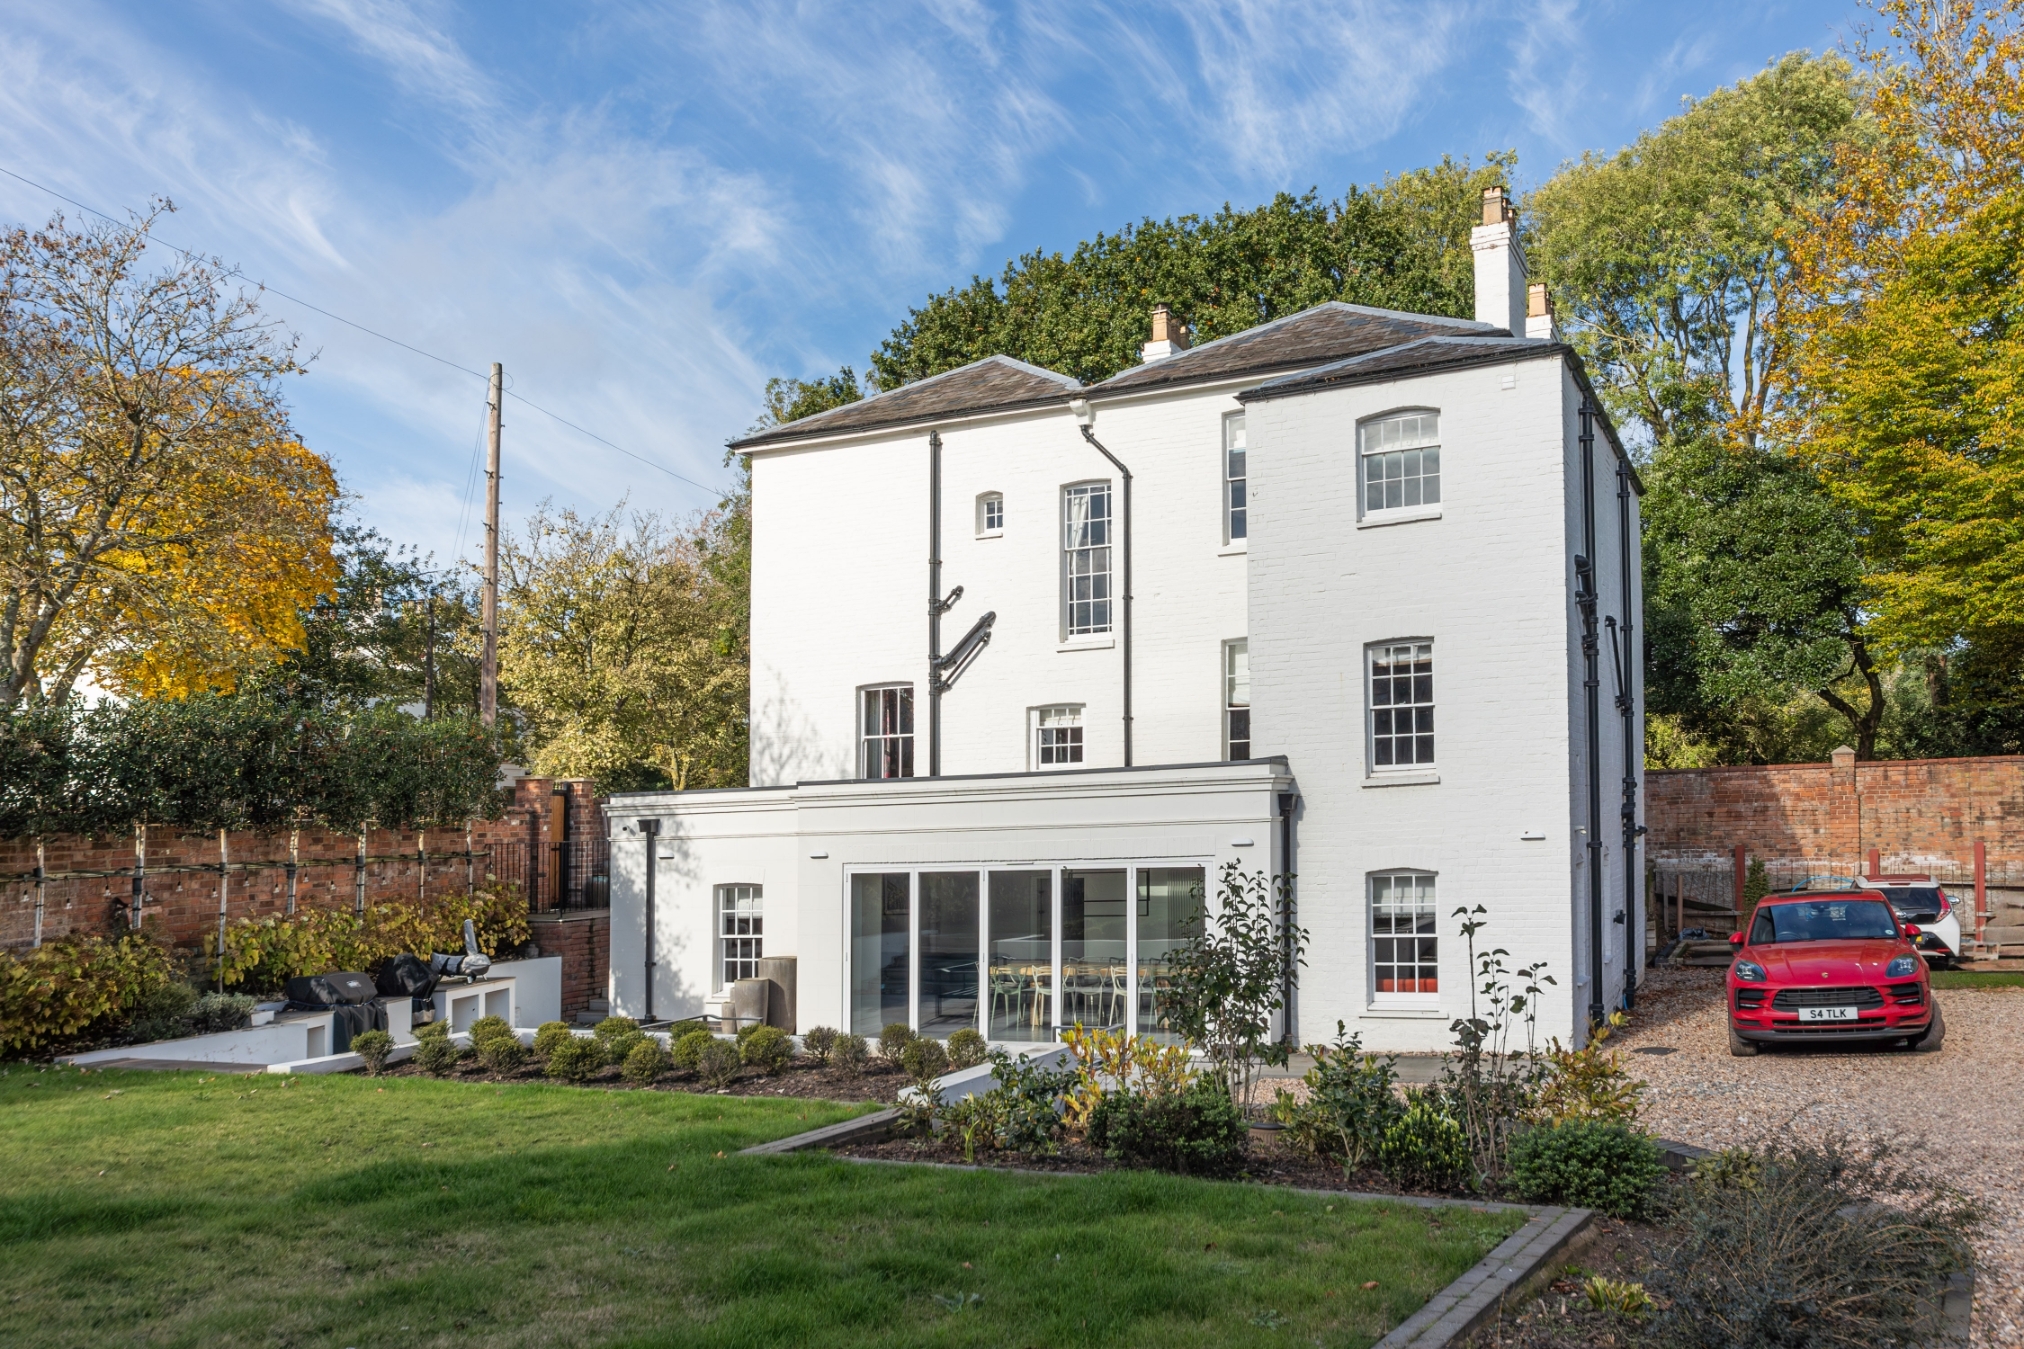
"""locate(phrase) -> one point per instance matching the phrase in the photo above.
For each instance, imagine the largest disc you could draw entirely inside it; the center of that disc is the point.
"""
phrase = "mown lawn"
(1977, 979)
(188, 1209)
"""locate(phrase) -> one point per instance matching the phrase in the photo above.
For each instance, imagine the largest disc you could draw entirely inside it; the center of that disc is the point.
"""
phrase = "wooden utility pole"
(488, 673)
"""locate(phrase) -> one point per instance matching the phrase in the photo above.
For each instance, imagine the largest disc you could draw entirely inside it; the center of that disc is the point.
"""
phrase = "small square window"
(1057, 737)
(990, 514)
(1401, 462)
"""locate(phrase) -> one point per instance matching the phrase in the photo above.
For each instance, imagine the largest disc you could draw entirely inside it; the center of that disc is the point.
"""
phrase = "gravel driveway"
(1966, 1103)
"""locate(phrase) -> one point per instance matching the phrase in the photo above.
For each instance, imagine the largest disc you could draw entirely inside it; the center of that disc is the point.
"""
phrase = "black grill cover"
(352, 1019)
(336, 989)
(406, 976)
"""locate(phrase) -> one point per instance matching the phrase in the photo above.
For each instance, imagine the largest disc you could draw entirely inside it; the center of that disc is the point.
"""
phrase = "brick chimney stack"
(1500, 266)
(1170, 335)
(1539, 312)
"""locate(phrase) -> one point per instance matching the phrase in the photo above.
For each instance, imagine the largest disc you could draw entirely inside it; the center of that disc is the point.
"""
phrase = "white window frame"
(1075, 555)
(1037, 724)
(986, 528)
(1236, 488)
(1227, 686)
(1425, 908)
(1405, 446)
(872, 742)
(1420, 647)
(730, 917)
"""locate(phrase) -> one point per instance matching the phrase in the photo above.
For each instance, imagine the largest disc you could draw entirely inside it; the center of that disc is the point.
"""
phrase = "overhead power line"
(372, 332)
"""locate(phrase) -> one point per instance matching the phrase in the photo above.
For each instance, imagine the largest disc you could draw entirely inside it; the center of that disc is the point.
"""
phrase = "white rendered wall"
(839, 589)
(1486, 581)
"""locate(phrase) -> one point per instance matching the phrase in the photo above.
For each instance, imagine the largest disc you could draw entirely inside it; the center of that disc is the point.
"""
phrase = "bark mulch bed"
(803, 1079)
(1559, 1317)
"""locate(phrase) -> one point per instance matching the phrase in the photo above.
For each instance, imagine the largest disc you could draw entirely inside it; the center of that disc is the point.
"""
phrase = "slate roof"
(994, 384)
(1327, 332)
(1422, 357)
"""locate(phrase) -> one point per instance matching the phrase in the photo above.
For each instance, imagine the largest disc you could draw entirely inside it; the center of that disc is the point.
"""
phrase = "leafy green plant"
(162, 1013)
(768, 1049)
(1586, 1083)
(1825, 1244)
(577, 1059)
(612, 1027)
(1194, 1131)
(77, 990)
(924, 1060)
(433, 1030)
(438, 1055)
(487, 1027)
(849, 1054)
(893, 1041)
(1229, 980)
(1425, 1148)
(550, 1034)
(373, 1046)
(1351, 1100)
(645, 1063)
(1739, 1167)
(502, 1054)
(687, 1050)
(1488, 1085)
(616, 1047)
(968, 1048)
(1595, 1164)
(215, 1012)
(717, 1064)
(818, 1041)
(1107, 1060)
(262, 954)
(1618, 1296)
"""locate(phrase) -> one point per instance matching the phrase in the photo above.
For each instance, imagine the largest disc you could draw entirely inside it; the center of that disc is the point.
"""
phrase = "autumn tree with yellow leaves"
(161, 527)
(1907, 317)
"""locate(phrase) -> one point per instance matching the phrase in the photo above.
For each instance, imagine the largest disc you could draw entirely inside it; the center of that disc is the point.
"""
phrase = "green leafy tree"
(788, 400)
(1403, 244)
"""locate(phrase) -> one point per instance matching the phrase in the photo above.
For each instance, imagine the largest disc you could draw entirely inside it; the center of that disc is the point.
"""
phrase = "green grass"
(1977, 979)
(184, 1209)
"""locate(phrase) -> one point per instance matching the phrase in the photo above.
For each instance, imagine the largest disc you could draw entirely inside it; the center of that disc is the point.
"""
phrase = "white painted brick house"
(1361, 611)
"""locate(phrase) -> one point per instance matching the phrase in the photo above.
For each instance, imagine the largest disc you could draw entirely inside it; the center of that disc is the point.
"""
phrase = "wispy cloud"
(1551, 75)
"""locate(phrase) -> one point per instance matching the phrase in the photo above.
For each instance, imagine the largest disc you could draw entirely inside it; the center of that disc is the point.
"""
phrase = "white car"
(1919, 900)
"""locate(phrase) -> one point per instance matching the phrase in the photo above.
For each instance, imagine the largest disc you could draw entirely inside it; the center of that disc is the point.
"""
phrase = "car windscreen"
(1915, 904)
(1826, 920)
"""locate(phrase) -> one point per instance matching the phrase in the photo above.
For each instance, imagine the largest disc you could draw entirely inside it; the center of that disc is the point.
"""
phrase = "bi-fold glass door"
(1019, 952)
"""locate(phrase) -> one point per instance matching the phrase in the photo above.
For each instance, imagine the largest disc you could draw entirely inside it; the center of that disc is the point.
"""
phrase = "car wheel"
(1935, 1036)
(1741, 1048)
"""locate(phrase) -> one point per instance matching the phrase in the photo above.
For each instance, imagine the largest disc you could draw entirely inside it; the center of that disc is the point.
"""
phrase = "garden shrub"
(1816, 1245)
(215, 1012)
(373, 1046)
(1425, 1149)
(1590, 1163)
(689, 1048)
(768, 1049)
(1108, 1060)
(924, 1060)
(262, 954)
(1587, 1083)
(893, 1041)
(1350, 1102)
(818, 1042)
(432, 1030)
(718, 1064)
(849, 1054)
(549, 1035)
(968, 1048)
(1022, 1113)
(486, 1027)
(646, 1062)
(1196, 1131)
(162, 1013)
(613, 1027)
(576, 1060)
(438, 1055)
(77, 991)
(502, 1054)
(616, 1047)
(746, 1032)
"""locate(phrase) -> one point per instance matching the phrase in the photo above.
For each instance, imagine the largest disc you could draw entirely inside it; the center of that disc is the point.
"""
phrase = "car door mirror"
(1735, 939)
(1911, 929)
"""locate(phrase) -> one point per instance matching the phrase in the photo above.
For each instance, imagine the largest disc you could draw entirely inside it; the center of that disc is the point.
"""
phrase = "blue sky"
(644, 210)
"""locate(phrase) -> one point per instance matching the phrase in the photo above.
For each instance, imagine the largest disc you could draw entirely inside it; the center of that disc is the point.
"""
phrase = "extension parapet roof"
(1326, 335)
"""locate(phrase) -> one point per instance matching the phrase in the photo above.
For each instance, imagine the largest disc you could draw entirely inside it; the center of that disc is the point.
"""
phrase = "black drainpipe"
(651, 829)
(1626, 700)
(1287, 801)
(935, 605)
(1125, 473)
(1584, 596)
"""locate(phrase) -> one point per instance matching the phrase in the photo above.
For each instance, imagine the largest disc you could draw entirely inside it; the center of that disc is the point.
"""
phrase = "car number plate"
(1827, 1014)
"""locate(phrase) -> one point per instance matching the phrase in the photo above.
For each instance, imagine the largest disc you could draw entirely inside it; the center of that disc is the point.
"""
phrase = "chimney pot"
(1497, 207)
(1170, 335)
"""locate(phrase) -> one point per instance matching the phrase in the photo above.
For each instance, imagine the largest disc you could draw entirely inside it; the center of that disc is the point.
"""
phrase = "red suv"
(1823, 968)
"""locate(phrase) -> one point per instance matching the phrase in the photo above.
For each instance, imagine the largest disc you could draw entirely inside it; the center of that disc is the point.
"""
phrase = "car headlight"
(1749, 971)
(1901, 967)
